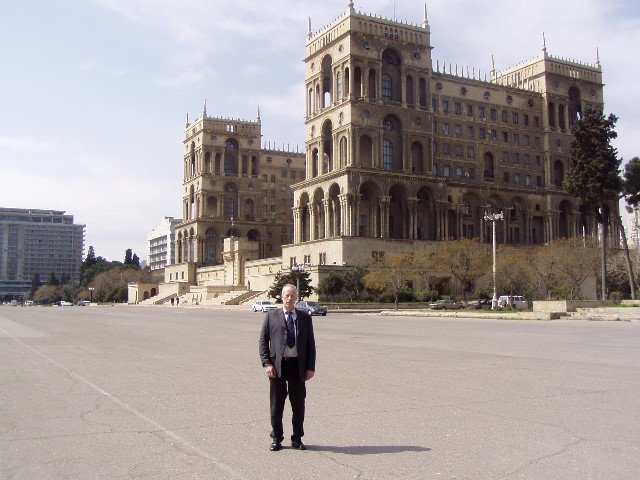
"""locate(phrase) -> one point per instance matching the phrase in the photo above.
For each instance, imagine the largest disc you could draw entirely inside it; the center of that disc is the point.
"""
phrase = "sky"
(94, 94)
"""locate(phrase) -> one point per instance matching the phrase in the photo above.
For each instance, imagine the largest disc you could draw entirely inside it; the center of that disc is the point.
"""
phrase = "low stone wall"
(564, 306)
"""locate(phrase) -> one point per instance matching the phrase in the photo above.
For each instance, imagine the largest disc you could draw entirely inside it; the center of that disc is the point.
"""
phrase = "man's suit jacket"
(273, 339)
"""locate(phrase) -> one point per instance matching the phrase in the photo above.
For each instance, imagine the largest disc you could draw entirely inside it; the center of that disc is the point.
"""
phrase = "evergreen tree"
(594, 175)
(53, 280)
(135, 261)
(301, 278)
(127, 257)
(36, 283)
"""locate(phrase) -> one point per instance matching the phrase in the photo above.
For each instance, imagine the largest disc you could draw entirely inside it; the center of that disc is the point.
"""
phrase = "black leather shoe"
(275, 446)
(298, 445)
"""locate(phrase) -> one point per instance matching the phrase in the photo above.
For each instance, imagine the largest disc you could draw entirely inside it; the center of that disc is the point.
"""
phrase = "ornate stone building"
(401, 151)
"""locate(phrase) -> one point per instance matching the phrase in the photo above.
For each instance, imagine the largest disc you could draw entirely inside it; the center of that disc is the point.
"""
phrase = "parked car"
(481, 303)
(29, 303)
(84, 303)
(513, 301)
(263, 306)
(64, 303)
(451, 304)
(312, 308)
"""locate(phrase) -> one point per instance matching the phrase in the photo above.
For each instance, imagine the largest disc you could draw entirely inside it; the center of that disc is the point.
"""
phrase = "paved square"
(178, 393)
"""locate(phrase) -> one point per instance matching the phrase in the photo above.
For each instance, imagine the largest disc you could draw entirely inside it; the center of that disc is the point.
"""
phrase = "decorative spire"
(425, 22)
(309, 32)
(204, 109)
(258, 113)
(187, 123)
(493, 67)
(351, 8)
(598, 57)
(544, 44)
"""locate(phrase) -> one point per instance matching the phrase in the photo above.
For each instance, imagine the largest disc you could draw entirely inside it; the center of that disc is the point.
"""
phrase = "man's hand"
(310, 374)
(271, 371)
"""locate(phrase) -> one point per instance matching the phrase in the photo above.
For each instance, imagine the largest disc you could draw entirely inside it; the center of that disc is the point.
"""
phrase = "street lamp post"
(298, 269)
(489, 216)
(91, 289)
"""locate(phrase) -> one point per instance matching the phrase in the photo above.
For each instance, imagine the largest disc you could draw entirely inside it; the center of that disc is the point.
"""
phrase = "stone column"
(326, 207)
(384, 216)
(312, 221)
(413, 221)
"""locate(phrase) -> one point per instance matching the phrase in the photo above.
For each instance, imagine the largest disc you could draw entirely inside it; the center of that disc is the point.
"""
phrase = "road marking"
(179, 439)
(13, 329)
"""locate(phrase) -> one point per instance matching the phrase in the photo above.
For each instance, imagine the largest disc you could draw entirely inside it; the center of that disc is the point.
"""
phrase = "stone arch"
(471, 211)
(417, 157)
(425, 215)
(230, 201)
(398, 218)
(212, 246)
(575, 105)
(231, 156)
(343, 160)
(392, 143)
(564, 219)
(369, 210)
(391, 75)
(305, 219)
(558, 173)
(327, 146)
(212, 206)
(254, 235)
(327, 93)
(319, 214)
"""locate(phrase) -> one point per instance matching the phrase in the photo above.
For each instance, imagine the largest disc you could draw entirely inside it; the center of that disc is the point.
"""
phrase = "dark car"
(481, 303)
(312, 308)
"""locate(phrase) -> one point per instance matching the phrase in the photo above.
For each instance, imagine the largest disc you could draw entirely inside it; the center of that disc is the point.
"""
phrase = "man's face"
(289, 297)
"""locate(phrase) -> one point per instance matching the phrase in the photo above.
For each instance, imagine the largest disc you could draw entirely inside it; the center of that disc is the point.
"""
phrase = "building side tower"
(233, 187)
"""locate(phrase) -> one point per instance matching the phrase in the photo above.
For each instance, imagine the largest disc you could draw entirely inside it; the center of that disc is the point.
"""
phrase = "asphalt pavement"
(179, 393)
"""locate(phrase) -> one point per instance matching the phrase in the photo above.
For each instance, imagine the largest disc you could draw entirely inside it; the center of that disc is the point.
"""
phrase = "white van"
(513, 301)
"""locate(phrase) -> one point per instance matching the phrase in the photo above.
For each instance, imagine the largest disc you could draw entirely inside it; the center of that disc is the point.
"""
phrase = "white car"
(263, 306)
(65, 304)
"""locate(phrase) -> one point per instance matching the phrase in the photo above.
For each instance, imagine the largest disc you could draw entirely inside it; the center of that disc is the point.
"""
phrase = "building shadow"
(367, 449)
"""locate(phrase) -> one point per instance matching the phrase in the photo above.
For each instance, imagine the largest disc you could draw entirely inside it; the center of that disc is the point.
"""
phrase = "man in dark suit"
(288, 355)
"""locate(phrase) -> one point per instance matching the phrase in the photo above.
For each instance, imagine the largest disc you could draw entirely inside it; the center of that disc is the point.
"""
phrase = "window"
(505, 116)
(459, 172)
(472, 173)
(482, 133)
(538, 160)
(434, 127)
(527, 180)
(445, 149)
(505, 157)
(469, 132)
(469, 110)
(536, 142)
(536, 121)
(445, 106)
(466, 208)
(516, 157)
(505, 137)
(516, 118)
(527, 140)
(434, 103)
(387, 155)
(516, 179)
(527, 159)
(516, 139)
(435, 170)
(494, 115)
(481, 112)
(494, 135)
(445, 128)
(525, 118)
(458, 108)
(386, 86)
(446, 171)
(538, 181)
(505, 177)
(471, 152)
(434, 148)
(458, 130)
(458, 150)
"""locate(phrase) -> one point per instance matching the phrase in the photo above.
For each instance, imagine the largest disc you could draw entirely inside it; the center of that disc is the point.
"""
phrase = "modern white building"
(161, 242)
